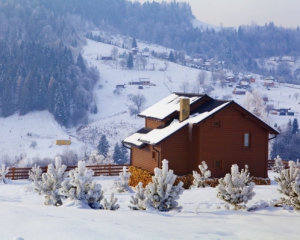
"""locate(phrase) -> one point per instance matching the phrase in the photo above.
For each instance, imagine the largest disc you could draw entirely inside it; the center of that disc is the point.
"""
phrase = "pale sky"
(232, 13)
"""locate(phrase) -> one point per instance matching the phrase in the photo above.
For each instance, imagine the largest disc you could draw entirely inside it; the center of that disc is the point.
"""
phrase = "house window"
(153, 154)
(216, 124)
(247, 140)
(218, 164)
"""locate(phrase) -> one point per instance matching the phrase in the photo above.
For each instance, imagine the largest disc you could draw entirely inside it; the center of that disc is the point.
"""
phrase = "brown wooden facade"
(218, 140)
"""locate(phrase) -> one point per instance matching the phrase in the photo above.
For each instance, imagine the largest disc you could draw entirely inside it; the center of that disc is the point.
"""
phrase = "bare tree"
(123, 63)
(144, 62)
(201, 77)
(138, 100)
(184, 87)
(114, 53)
(223, 83)
(296, 95)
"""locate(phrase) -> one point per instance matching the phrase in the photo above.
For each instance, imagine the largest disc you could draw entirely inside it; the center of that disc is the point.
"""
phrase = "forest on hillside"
(40, 42)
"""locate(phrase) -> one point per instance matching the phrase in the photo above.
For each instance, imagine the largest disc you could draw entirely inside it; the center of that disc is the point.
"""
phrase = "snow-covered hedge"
(161, 193)
(200, 178)
(50, 183)
(3, 172)
(236, 188)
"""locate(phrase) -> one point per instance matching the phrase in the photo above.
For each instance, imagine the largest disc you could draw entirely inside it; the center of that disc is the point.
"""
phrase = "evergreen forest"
(40, 42)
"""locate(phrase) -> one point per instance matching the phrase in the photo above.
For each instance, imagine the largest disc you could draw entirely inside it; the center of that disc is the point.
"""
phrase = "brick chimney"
(184, 109)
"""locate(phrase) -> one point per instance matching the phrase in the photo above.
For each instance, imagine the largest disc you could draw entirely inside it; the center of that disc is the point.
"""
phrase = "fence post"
(13, 173)
(109, 169)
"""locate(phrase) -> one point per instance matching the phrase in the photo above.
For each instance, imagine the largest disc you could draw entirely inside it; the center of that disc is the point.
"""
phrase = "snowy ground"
(24, 215)
(113, 118)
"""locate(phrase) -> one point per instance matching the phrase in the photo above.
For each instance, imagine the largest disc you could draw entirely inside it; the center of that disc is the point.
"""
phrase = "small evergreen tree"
(236, 188)
(171, 57)
(50, 183)
(80, 63)
(199, 179)
(123, 185)
(35, 174)
(117, 156)
(278, 165)
(80, 186)
(161, 193)
(3, 172)
(134, 43)
(295, 126)
(130, 61)
(286, 180)
(103, 146)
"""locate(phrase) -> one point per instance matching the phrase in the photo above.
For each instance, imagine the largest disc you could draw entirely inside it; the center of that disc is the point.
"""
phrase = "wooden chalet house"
(187, 129)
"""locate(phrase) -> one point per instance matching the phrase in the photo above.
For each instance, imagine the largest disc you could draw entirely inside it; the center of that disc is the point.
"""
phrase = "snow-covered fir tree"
(50, 183)
(200, 178)
(278, 165)
(35, 174)
(138, 201)
(286, 179)
(295, 195)
(161, 193)
(3, 171)
(236, 188)
(80, 186)
(103, 146)
(111, 205)
(120, 154)
(123, 185)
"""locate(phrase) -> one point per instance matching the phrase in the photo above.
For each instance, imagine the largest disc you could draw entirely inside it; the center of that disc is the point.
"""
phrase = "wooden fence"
(103, 170)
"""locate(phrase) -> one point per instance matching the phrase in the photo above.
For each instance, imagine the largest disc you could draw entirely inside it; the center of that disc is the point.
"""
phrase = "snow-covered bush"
(236, 188)
(286, 179)
(112, 204)
(295, 195)
(199, 179)
(278, 165)
(123, 185)
(137, 201)
(160, 193)
(80, 186)
(3, 172)
(51, 182)
(35, 174)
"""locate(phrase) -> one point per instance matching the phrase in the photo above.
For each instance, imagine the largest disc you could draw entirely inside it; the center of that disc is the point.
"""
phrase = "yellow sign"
(63, 142)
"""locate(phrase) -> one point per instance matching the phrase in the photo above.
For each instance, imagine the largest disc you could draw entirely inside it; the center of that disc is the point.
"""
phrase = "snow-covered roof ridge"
(168, 105)
(157, 135)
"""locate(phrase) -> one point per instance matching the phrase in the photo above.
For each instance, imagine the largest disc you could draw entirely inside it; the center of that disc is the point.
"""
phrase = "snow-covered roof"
(167, 106)
(134, 139)
(157, 135)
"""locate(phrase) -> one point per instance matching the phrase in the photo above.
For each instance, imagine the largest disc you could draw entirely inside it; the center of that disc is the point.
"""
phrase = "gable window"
(218, 164)
(247, 140)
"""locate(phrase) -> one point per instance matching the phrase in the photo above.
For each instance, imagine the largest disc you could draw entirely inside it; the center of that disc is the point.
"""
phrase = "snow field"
(23, 214)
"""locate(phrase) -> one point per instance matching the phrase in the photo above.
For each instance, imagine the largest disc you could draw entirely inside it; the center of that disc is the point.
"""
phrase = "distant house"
(187, 129)
(269, 81)
(238, 92)
(144, 81)
(134, 51)
(106, 58)
(231, 79)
